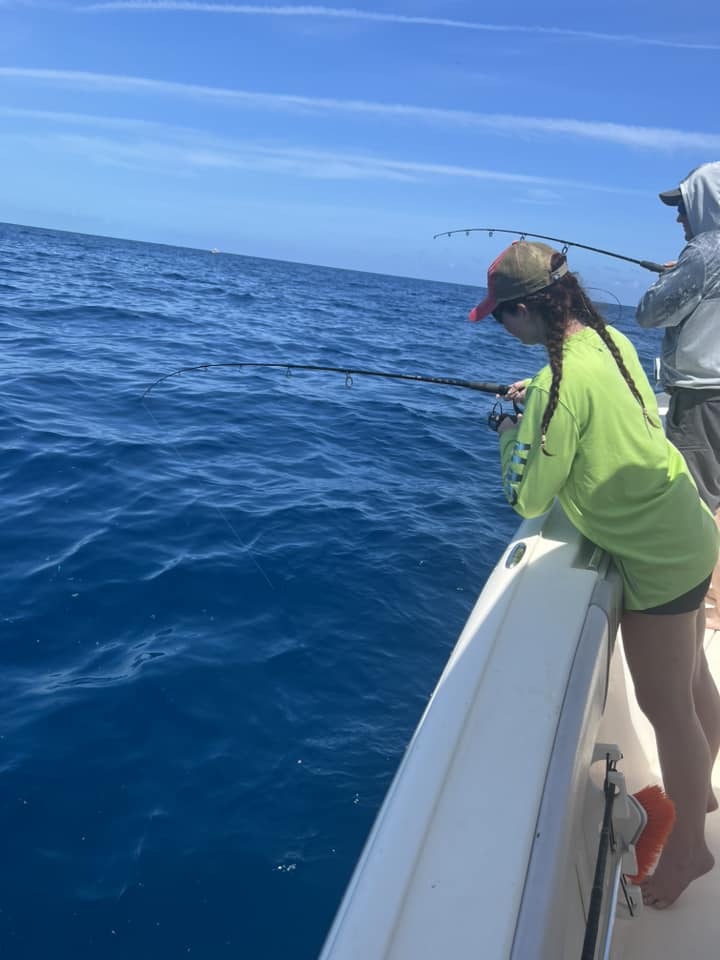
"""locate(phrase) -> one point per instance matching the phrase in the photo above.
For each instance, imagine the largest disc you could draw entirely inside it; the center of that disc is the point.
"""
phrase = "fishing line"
(646, 264)
(220, 511)
(609, 293)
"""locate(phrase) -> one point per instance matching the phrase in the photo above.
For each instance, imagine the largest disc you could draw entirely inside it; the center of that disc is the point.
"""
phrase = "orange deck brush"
(660, 812)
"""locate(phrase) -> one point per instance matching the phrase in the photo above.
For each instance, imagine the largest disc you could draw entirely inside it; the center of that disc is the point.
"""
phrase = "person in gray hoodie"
(685, 302)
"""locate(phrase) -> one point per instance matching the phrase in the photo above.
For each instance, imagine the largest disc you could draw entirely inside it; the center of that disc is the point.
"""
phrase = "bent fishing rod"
(646, 264)
(494, 388)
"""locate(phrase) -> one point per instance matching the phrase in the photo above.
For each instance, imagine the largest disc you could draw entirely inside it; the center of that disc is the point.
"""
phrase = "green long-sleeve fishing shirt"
(619, 480)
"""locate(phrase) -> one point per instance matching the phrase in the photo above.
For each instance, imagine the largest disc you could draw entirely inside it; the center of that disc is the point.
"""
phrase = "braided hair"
(563, 299)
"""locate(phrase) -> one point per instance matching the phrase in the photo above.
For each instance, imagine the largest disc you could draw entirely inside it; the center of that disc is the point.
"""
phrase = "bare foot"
(672, 875)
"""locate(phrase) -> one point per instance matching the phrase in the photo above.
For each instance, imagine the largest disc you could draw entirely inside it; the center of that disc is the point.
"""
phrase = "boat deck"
(690, 929)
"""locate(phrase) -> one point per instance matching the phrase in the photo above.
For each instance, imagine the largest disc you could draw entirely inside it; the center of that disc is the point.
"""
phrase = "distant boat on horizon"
(214, 250)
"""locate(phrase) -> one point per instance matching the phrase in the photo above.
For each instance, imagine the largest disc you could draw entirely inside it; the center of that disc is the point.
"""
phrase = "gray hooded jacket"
(685, 300)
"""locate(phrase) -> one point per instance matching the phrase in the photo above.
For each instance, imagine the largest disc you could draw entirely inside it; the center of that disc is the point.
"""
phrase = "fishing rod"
(647, 264)
(482, 387)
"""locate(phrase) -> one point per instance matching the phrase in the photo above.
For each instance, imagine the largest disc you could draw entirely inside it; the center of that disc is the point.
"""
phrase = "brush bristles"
(660, 812)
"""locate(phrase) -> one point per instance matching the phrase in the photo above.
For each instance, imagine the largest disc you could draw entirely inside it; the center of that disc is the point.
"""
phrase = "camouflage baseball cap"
(523, 268)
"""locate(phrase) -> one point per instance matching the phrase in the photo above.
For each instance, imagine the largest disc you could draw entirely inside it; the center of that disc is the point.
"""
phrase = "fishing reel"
(497, 415)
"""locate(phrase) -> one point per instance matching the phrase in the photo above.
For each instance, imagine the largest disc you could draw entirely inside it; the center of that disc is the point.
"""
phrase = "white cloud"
(654, 138)
(170, 149)
(81, 119)
(368, 16)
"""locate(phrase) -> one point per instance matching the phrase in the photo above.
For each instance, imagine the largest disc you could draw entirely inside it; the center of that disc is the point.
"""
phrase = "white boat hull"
(505, 744)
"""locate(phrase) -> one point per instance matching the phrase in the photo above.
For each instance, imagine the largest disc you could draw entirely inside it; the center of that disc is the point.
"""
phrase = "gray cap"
(672, 198)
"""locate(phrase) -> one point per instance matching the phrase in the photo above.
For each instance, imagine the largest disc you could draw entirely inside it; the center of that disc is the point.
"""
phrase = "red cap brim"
(483, 309)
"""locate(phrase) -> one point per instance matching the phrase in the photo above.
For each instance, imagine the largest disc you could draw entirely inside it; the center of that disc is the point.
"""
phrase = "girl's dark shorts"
(685, 604)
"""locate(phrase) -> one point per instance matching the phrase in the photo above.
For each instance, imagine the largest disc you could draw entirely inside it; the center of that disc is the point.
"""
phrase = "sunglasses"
(682, 211)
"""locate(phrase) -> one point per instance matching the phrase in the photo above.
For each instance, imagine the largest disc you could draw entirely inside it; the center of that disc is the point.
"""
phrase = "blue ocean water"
(224, 606)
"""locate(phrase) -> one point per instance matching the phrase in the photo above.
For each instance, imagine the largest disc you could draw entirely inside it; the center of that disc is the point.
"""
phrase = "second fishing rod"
(566, 244)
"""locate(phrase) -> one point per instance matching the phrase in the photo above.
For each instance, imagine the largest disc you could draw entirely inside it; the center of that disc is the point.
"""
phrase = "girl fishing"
(591, 436)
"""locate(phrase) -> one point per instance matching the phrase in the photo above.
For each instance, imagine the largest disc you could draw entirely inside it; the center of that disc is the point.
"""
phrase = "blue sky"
(349, 135)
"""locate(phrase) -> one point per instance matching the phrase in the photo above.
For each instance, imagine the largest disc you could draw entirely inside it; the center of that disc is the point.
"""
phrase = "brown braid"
(593, 319)
(556, 305)
(555, 338)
